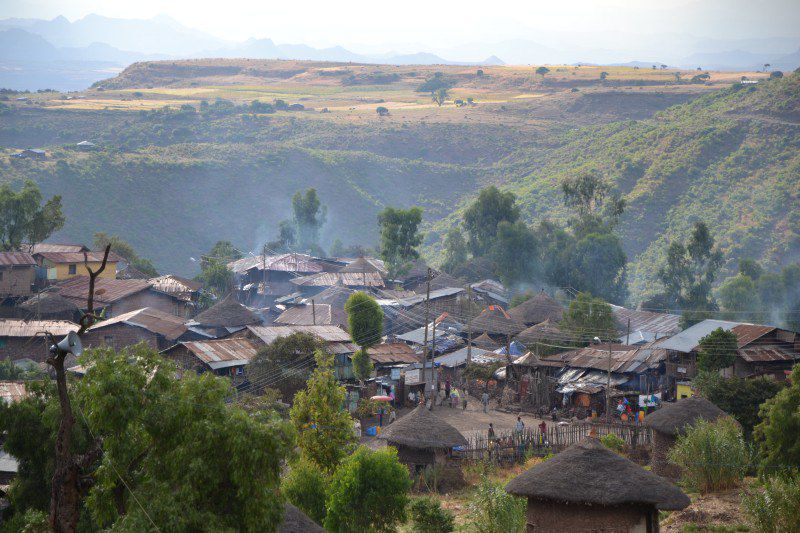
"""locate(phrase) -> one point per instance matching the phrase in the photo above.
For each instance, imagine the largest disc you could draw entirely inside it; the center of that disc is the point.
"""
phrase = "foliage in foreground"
(368, 492)
(712, 456)
(778, 435)
(427, 516)
(306, 487)
(493, 510)
(776, 507)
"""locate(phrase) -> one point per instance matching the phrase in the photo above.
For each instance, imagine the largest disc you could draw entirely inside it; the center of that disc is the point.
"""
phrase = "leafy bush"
(369, 491)
(427, 516)
(741, 398)
(493, 510)
(776, 508)
(613, 442)
(778, 434)
(712, 455)
(306, 487)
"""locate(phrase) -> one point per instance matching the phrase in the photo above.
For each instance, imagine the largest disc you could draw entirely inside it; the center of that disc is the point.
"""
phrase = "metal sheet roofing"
(12, 391)
(180, 287)
(16, 259)
(223, 353)
(459, 357)
(624, 359)
(107, 290)
(77, 257)
(168, 326)
(291, 262)
(308, 315)
(646, 321)
(438, 293)
(57, 247)
(767, 353)
(348, 279)
(12, 327)
(747, 333)
(394, 352)
(688, 339)
(268, 334)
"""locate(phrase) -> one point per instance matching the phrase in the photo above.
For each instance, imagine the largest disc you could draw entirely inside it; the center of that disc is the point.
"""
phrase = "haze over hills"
(727, 156)
(70, 55)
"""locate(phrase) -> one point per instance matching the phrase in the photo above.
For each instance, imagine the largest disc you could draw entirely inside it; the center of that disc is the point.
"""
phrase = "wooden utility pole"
(69, 482)
(469, 323)
(608, 388)
(628, 335)
(313, 312)
(427, 318)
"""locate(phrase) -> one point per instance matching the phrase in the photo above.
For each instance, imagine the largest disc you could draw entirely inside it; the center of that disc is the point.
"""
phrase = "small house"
(157, 329)
(48, 305)
(490, 292)
(65, 265)
(86, 146)
(17, 274)
(264, 278)
(30, 153)
(118, 296)
(422, 439)
(672, 420)
(26, 339)
(588, 487)
(223, 318)
(223, 357)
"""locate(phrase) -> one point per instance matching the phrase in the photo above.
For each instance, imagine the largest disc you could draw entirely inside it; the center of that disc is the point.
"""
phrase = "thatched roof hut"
(486, 342)
(422, 438)
(537, 309)
(495, 321)
(672, 420)
(589, 485)
(361, 265)
(442, 281)
(296, 521)
(545, 331)
(50, 305)
(227, 313)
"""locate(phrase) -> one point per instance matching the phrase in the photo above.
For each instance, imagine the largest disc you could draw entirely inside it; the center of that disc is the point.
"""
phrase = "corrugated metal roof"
(291, 262)
(459, 357)
(222, 353)
(624, 359)
(12, 391)
(438, 293)
(767, 353)
(57, 247)
(747, 333)
(307, 315)
(169, 326)
(12, 327)
(395, 352)
(180, 287)
(646, 321)
(16, 259)
(348, 279)
(77, 257)
(268, 334)
(106, 290)
(688, 339)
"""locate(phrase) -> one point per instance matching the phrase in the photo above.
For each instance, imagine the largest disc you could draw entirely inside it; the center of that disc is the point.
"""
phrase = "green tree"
(325, 429)
(689, 274)
(589, 317)
(369, 492)
(738, 298)
(515, 253)
(717, 350)
(23, 218)
(598, 207)
(750, 268)
(362, 365)
(427, 516)
(400, 237)
(286, 241)
(223, 252)
(542, 71)
(309, 217)
(778, 434)
(456, 252)
(493, 510)
(382, 111)
(285, 363)
(214, 273)
(125, 251)
(598, 265)
(485, 214)
(740, 398)
(306, 487)
(365, 322)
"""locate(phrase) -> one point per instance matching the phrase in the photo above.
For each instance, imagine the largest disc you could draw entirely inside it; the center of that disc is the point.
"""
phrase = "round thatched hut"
(422, 439)
(50, 306)
(224, 317)
(296, 521)
(587, 487)
(495, 322)
(672, 420)
(537, 309)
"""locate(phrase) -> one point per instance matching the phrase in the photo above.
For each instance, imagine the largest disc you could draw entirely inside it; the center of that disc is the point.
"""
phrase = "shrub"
(369, 491)
(306, 487)
(613, 442)
(712, 455)
(775, 508)
(778, 434)
(427, 516)
(493, 510)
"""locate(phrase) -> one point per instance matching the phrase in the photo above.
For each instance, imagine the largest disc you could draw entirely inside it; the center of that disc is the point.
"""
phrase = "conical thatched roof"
(590, 473)
(296, 521)
(537, 309)
(485, 341)
(442, 281)
(423, 430)
(495, 321)
(673, 418)
(49, 303)
(227, 313)
(335, 296)
(544, 331)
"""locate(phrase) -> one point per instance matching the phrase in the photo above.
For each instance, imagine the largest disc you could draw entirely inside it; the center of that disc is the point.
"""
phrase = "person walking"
(447, 388)
(454, 398)
(485, 401)
(519, 427)
(464, 401)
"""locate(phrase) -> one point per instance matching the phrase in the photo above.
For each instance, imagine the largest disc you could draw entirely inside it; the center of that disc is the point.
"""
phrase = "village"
(456, 373)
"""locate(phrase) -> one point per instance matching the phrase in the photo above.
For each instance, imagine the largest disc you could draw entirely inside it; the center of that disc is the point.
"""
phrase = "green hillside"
(174, 182)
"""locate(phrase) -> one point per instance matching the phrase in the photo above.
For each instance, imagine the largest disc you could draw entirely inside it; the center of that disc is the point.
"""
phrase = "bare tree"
(69, 479)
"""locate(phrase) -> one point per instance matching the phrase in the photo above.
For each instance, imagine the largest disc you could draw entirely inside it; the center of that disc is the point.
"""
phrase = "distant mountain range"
(68, 55)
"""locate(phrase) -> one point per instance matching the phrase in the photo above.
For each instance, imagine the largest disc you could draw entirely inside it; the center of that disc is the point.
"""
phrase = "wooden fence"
(513, 446)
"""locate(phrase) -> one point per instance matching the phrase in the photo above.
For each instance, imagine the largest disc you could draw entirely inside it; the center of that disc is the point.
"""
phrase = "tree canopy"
(456, 252)
(309, 217)
(126, 251)
(717, 350)
(364, 319)
(588, 317)
(778, 434)
(23, 217)
(484, 215)
(286, 362)
(400, 237)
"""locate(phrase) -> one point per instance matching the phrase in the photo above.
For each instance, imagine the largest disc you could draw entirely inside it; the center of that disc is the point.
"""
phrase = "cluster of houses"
(541, 364)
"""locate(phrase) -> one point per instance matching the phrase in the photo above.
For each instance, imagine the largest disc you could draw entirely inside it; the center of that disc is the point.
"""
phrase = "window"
(239, 370)
(73, 269)
(108, 339)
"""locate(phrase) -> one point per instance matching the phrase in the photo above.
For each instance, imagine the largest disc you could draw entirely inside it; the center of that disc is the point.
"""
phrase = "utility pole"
(313, 312)
(427, 314)
(628, 335)
(469, 323)
(608, 389)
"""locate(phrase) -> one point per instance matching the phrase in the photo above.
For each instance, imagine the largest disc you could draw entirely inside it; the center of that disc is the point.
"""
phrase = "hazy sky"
(380, 24)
